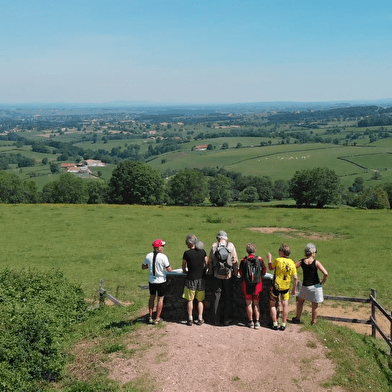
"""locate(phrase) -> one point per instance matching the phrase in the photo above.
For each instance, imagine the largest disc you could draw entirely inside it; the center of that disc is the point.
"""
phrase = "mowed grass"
(90, 243)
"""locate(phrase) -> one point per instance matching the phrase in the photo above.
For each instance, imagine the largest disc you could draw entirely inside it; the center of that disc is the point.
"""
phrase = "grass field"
(96, 242)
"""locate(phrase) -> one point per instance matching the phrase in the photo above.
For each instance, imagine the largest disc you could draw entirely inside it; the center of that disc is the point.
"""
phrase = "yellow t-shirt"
(285, 269)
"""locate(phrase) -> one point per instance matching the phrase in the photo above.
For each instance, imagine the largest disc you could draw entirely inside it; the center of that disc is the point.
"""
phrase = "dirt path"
(235, 358)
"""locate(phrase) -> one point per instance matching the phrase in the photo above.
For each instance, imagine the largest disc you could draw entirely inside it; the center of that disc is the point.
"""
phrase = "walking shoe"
(275, 327)
(295, 320)
(150, 320)
(251, 324)
(189, 322)
(257, 324)
(199, 322)
(158, 321)
(282, 327)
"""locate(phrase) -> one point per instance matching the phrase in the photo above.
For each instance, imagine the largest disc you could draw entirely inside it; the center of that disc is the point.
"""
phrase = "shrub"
(36, 313)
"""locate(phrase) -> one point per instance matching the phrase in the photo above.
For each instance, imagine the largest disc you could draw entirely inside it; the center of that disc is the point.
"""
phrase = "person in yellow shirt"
(285, 269)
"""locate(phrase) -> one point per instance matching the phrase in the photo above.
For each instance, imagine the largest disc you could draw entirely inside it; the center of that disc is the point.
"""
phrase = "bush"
(36, 313)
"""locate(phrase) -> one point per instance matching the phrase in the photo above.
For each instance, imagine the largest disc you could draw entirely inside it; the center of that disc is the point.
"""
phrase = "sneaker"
(150, 321)
(199, 322)
(282, 327)
(158, 321)
(275, 327)
(313, 323)
(257, 324)
(296, 320)
(251, 324)
(189, 322)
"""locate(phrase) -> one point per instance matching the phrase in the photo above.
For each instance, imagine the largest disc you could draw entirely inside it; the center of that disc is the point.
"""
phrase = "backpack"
(222, 260)
(252, 270)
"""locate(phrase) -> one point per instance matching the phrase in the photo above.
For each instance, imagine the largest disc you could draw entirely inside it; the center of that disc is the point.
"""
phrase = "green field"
(96, 242)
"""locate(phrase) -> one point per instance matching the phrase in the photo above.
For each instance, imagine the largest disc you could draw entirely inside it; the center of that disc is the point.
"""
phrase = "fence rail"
(372, 318)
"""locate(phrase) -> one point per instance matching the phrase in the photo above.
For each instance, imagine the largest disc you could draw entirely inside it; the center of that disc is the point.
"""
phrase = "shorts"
(312, 293)
(195, 289)
(256, 295)
(159, 288)
(190, 295)
(275, 294)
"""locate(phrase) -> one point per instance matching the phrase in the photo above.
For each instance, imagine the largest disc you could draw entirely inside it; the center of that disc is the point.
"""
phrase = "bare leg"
(300, 306)
(273, 310)
(314, 311)
(151, 305)
(249, 311)
(200, 308)
(189, 307)
(159, 307)
(256, 309)
(285, 304)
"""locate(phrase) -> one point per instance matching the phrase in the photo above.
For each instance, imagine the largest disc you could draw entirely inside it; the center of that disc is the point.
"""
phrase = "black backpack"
(222, 260)
(252, 270)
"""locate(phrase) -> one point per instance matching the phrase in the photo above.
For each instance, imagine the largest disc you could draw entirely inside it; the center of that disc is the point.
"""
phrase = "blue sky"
(194, 51)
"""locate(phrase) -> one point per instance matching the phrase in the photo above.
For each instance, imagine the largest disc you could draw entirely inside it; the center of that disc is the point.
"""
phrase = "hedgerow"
(37, 311)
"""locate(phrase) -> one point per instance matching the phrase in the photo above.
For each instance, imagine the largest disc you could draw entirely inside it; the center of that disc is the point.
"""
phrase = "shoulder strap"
(153, 262)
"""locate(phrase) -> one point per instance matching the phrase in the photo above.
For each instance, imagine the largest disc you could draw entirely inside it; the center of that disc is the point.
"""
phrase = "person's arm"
(269, 256)
(298, 263)
(263, 267)
(144, 266)
(169, 268)
(295, 277)
(184, 266)
(323, 270)
(234, 259)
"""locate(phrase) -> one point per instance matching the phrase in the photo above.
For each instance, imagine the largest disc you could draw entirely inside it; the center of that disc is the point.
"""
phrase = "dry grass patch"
(294, 233)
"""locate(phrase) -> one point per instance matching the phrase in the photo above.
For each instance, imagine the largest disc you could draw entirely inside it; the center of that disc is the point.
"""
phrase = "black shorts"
(159, 288)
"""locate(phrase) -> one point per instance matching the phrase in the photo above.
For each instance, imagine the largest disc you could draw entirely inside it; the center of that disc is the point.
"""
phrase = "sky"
(184, 52)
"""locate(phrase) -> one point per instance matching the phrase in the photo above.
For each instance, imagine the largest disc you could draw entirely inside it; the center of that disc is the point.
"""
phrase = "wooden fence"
(371, 320)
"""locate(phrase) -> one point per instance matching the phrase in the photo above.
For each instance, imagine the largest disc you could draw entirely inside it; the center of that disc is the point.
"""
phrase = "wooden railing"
(371, 320)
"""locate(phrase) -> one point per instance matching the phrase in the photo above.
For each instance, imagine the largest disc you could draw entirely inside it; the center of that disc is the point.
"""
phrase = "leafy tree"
(68, 189)
(14, 190)
(135, 183)
(388, 188)
(318, 186)
(374, 199)
(281, 190)
(219, 190)
(249, 194)
(357, 186)
(54, 168)
(97, 191)
(187, 188)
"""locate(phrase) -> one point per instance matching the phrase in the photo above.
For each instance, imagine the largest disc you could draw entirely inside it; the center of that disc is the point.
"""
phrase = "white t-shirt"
(161, 263)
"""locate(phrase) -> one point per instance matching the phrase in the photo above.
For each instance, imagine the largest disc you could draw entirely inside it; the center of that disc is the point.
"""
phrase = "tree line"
(135, 182)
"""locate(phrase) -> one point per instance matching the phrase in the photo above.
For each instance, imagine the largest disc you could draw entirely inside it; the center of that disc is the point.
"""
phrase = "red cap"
(158, 243)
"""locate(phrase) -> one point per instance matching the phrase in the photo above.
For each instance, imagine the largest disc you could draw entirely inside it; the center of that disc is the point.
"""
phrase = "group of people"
(222, 262)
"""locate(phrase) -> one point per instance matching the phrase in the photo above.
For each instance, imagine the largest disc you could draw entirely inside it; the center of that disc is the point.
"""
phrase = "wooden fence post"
(390, 336)
(373, 294)
(101, 296)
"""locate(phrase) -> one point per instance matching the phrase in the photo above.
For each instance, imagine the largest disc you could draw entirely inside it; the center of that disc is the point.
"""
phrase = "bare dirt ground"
(235, 358)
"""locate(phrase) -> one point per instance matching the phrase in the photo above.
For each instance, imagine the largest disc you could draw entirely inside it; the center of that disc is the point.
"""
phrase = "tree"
(135, 183)
(97, 191)
(14, 190)
(187, 188)
(374, 199)
(54, 168)
(68, 189)
(318, 186)
(357, 186)
(219, 190)
(281, 190)
(249, 194)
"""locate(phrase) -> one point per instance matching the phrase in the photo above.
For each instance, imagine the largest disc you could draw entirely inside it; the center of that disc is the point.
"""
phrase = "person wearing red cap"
(157, 264)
